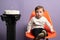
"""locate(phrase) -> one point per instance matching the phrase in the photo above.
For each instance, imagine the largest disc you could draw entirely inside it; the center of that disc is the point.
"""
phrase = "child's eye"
(36, 11)
(40, 11)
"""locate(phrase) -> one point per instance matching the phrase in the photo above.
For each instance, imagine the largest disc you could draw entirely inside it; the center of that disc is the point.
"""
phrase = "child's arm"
(29, 25)
(49, 25)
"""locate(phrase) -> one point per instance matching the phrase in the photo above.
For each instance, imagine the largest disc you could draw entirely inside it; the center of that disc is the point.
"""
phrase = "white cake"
(12, 12)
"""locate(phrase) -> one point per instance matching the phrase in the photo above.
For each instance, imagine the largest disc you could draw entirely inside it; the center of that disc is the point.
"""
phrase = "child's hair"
(38, 7)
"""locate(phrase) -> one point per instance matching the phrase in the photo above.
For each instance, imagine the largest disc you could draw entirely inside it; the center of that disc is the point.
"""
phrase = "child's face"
(39, 12)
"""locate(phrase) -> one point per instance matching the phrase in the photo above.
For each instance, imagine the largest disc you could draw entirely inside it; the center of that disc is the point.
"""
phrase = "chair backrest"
(46, 14)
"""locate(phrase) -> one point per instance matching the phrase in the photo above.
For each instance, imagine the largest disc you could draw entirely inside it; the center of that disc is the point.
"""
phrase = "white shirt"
(38, 23)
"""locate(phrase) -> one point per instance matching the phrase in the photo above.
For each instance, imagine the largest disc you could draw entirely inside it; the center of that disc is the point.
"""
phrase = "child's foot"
(41, 35)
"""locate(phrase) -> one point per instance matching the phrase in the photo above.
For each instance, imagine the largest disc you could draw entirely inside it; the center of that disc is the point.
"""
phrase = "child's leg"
(45, 33)
(42, 34)
(35, 32)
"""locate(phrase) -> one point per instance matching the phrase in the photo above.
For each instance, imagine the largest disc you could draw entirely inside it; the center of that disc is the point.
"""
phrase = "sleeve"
(49, 25)
(29, 26)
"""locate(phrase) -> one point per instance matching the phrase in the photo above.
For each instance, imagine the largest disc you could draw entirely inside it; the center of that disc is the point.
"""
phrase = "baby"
(36, 24)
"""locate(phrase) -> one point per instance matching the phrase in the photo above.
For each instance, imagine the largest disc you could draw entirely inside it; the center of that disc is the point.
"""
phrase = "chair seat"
(50, 35)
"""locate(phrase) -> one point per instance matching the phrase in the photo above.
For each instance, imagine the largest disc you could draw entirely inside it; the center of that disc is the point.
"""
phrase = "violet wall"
(26, 7)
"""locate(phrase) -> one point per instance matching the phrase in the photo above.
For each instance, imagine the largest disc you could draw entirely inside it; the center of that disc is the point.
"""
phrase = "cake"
(12, 12)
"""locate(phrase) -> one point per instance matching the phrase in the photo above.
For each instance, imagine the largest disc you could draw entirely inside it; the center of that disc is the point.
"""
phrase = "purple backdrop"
(26, 7)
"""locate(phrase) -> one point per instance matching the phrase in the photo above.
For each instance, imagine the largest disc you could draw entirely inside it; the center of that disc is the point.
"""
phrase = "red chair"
(50, 35)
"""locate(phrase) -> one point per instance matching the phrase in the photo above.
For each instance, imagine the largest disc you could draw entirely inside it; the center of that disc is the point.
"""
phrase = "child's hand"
(27, 31)
(52, 31)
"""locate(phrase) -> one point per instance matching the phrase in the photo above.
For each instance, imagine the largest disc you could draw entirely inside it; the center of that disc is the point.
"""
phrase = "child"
(36, 24)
